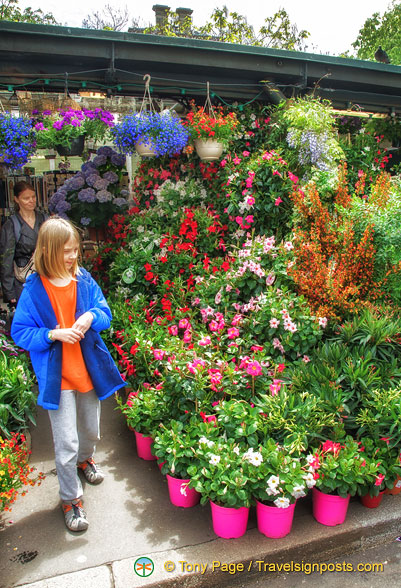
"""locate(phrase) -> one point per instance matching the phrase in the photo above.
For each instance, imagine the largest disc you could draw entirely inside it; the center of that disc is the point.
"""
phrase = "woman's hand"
(70, 335)
(83, 323)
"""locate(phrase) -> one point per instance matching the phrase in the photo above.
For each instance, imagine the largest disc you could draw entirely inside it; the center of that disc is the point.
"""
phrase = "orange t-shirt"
(74, 375)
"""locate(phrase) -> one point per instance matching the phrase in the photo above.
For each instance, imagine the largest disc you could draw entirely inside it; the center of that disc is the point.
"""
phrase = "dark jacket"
(20, 252)
(34, 318)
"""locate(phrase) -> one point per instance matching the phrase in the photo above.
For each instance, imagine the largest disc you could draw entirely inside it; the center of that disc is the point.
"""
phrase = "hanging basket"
(145, 149)
(76, 147)
(208, 150)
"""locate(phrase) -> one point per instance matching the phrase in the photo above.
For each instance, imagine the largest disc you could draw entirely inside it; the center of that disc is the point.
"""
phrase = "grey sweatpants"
(75, 428)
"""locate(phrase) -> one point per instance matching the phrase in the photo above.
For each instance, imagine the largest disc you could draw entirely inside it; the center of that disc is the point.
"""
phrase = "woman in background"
(18, 240)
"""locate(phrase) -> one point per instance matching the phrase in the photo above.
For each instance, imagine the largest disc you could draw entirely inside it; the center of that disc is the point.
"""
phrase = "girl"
(58, 318)
(18, 239)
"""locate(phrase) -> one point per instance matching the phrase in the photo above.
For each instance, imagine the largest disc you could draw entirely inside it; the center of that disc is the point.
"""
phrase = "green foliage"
(277, 31)
(145, 410)
(388, 460)
(379, 415)
(381, 30)
(9, 10)
(17, 397)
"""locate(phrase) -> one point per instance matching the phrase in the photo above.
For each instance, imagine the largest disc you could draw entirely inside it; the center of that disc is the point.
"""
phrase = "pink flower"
(274, 389)
(183, 323)
(173, 330)
(187, 336)
(379, 479)
(292, 177)
(158, 353)
(277, 173)
(274, 323)
(245, 153)
(277, 201)
(236, 160)
(306, 359)
(249, 182)
(236, 320)
(233, 332)
(223, 162)
(250, 200)
(254, 368)
(239, 220)
(256, 348)
(205, 341)
(249, 218)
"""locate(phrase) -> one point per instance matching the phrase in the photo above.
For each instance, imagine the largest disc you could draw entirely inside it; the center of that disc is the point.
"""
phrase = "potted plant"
(340, 470)
(14, 469)
(220, 478)
(144, 411)
(66, 130)
(277, 478)
(389, 467)
(150, 134)
(174, 445)
(93, 195)
(17, 142)
(210, 131)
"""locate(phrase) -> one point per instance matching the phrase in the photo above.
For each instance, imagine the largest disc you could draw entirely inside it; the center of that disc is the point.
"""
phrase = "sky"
(333, 25)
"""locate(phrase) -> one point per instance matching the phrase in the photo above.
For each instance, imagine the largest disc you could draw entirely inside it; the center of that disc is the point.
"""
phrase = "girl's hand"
(83, 323)
(71, 335)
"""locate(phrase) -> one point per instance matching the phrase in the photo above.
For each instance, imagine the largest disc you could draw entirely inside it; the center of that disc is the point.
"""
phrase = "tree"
(109, 19)
(230, 27)
(381, 31)
(9, 10)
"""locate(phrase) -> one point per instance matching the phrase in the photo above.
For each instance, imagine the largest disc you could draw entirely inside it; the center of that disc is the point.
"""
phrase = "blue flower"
(99, 160)
(101, 184)
(17, 142)
(120, 202)
(87, 195)
(104, 196)
(111, 177)
(92, 179)
(105, 150)
(85, 221)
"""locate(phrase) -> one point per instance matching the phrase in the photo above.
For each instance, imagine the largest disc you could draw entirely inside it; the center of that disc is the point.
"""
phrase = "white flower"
(274, 323)
(299, 491)
(310, 458)
(236, 450)
(282, 502)
(183, 489)
(273, 482)
(140, 229)
(310, 482)
(288, 245)
(203, 440)
(214, 460)
(255, 459)
(323, 321)
(271, 491)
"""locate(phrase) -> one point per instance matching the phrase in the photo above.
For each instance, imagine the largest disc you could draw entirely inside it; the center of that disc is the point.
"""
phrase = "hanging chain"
(146, 95)
(208, 107)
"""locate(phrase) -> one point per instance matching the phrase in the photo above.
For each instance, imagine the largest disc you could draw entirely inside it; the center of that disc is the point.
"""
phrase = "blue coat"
(34, 318)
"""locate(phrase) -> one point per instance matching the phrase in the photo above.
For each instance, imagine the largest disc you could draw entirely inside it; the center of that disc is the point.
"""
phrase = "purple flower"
(120, 202)
(47, 113)
(85, 221)
(118, 159)
(124, 193)
(92, 178)
(105, 150)
(88, 166)
(87, 195)
(40, 127)
(58, 125)
(101, 184)
(111, 177)
(76, 123)
(74, 183)
(63, 206)
(99, 160)
(104, 196)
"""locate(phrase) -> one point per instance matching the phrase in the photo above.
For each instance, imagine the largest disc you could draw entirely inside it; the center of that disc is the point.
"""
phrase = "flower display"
(64, 126)
(94, 194)
(204, 125)
(164, 132)
(15, 471)
(17, 142)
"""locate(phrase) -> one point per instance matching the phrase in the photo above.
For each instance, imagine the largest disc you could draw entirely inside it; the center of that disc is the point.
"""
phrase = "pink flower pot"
(180, 494)
(143, 445)
(372, 501)
(229, 523)
(274, 522)
(328, 509)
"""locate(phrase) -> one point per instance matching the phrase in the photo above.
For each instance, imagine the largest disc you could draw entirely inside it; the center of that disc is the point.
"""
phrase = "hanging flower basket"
(76, 147)
(208, 150)
(145, 149)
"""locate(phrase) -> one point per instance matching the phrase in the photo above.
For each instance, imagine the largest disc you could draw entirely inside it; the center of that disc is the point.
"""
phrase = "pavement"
(131, 516)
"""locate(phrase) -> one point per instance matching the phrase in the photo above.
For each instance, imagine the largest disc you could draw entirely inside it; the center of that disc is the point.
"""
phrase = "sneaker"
(92, 472)
(75, 516)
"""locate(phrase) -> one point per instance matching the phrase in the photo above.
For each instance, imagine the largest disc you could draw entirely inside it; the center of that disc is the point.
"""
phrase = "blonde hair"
(49, 253)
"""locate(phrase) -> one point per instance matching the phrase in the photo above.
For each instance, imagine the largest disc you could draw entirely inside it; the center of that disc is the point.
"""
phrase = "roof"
(38, 57)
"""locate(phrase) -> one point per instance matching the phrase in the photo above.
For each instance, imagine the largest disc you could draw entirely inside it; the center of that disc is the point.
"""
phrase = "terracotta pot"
(372, 501)
(209, 150)
(396, 489)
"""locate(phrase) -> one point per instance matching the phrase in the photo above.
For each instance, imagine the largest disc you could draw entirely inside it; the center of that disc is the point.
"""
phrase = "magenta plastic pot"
(180, 494)
(274, 522)
(328, 509)
(143, 445)
(229, 523)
